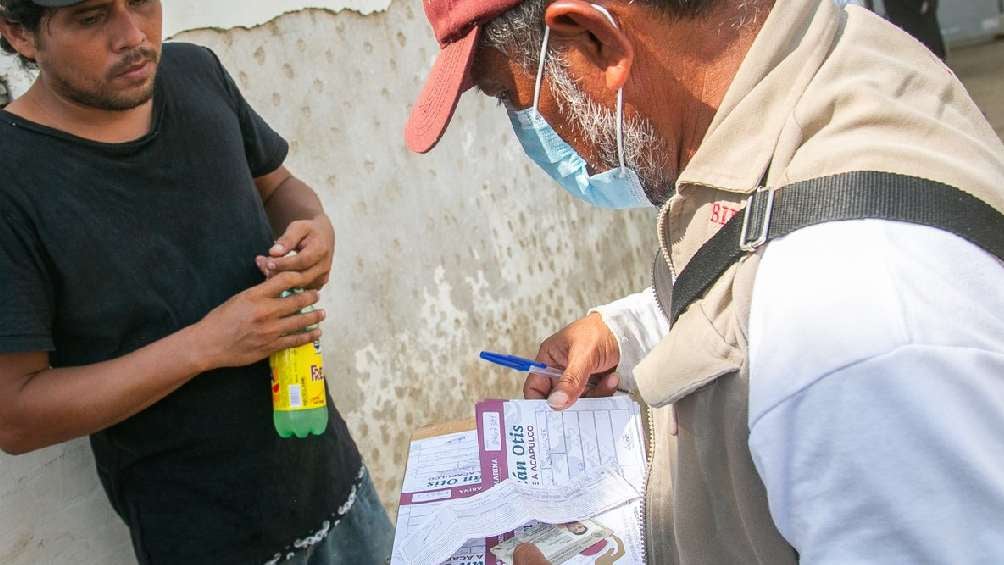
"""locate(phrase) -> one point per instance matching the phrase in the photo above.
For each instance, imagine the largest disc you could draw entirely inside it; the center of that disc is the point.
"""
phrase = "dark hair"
(26, 14)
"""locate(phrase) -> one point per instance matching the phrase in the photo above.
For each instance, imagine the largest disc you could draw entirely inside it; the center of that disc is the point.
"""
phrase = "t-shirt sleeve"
(265, 149)
(26, 308)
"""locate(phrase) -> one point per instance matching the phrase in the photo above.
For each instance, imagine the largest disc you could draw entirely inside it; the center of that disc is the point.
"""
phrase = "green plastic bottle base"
(300, 423)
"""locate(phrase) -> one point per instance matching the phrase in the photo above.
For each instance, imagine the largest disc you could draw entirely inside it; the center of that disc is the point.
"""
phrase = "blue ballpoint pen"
(521, 364)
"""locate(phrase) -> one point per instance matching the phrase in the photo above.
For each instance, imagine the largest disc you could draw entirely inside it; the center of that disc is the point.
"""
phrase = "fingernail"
(323, 314)
(271, 265)
(278, 248)
(615, 380)
(558, 400)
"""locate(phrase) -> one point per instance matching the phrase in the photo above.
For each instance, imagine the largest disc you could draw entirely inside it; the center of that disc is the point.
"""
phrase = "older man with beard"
(822, 351)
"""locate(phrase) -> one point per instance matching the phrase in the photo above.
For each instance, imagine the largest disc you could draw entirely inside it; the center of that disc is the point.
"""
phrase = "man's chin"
(125, 99)
(122, 104)
(135, 92)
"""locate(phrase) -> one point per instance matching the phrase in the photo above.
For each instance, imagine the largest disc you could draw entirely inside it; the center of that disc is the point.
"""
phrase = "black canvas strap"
(849, 196)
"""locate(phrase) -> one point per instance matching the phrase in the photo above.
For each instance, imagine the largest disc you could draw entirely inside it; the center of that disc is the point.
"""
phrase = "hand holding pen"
(589, 353)
(523, 364)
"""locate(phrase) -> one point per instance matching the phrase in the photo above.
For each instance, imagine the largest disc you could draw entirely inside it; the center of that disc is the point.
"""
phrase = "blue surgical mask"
(618, 188)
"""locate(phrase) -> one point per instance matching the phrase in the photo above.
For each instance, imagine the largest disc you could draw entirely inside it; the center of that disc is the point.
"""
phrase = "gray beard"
(598, 126)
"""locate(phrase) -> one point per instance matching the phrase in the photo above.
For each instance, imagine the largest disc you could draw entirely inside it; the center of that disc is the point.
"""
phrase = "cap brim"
(449, 78)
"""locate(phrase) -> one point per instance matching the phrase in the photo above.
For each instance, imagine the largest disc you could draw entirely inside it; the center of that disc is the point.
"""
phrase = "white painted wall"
(14, 76)
(439, 256)
(183, 15)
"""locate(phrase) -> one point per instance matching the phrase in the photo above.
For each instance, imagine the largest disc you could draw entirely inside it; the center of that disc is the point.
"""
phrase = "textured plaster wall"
(14, 80)
(439, 256)
(182, 15)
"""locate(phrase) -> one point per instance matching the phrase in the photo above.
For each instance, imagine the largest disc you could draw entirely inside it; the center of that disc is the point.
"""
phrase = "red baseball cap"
(457, 25)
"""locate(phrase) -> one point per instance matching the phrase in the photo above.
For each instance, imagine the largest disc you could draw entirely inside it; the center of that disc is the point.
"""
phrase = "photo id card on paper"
(558, 543)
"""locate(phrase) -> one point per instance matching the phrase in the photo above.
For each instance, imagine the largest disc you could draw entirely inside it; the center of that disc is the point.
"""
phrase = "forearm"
(291, 201)
(56, 405)
(40, 406)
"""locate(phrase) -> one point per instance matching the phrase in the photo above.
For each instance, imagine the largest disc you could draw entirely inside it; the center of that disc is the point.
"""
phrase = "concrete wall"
(14, 79)
(438, 256)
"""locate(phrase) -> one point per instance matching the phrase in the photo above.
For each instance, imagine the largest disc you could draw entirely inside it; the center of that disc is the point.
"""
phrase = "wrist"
(193, 353)
(611, 344)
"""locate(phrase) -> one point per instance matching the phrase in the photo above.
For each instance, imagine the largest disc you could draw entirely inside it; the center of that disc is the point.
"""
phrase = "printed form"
(510, 505)
(526, 442)
(440, 468)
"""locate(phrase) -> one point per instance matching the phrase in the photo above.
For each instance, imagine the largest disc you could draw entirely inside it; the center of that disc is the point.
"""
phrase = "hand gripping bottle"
(299, 402)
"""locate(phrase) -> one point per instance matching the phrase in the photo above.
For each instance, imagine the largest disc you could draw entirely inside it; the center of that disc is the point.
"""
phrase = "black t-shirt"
(105, 248)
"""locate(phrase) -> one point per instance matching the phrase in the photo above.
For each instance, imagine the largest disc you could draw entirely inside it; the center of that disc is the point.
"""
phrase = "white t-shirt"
(876, 391)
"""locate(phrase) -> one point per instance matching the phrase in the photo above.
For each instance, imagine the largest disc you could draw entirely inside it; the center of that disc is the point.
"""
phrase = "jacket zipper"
(649, 457)
(664, 250)
(650, 431)
(663, 218)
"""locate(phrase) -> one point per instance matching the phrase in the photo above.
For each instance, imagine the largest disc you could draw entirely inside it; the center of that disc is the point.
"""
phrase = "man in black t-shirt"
(139, 203)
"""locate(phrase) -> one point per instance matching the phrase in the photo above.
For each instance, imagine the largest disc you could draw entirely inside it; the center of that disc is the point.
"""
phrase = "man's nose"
(126, 30)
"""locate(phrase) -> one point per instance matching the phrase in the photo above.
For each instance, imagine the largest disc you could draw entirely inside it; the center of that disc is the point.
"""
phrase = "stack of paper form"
(558, 466)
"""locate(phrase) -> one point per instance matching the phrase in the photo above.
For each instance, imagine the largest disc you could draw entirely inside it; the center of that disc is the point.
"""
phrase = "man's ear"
(21, 39)
(602, 41)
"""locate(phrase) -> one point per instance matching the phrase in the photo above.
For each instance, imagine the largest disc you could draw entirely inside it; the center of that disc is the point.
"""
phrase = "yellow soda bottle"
(299, 399)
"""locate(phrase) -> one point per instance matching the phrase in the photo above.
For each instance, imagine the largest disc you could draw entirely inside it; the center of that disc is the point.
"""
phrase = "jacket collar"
(737, 148)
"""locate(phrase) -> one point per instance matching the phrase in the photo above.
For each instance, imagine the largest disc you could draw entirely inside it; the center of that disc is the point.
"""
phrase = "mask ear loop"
(620, 99)
(540, 68)
(620, 91)
(620, 128)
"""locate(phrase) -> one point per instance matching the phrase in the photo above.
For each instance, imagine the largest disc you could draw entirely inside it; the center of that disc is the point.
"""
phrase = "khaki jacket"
(822, 91)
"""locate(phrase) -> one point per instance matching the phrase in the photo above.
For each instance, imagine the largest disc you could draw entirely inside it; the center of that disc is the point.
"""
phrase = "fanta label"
(298, 378)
